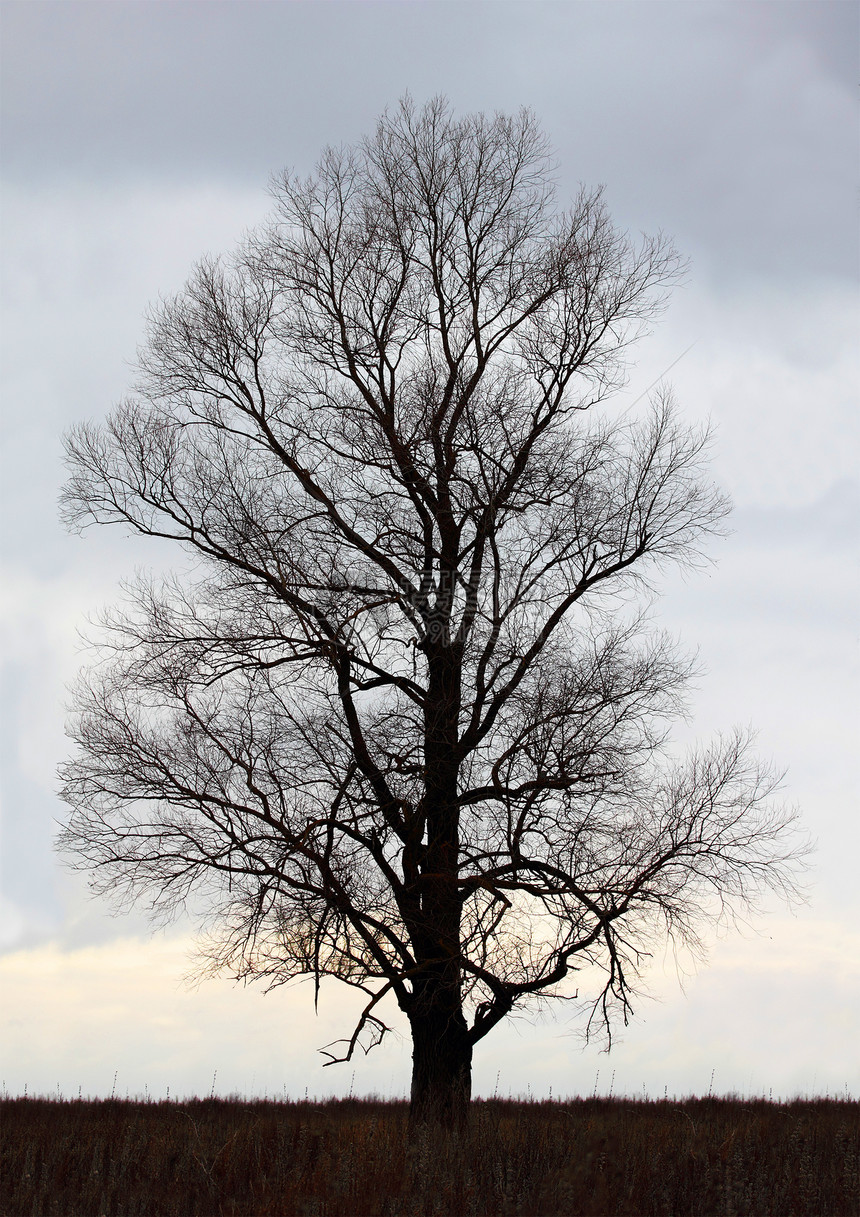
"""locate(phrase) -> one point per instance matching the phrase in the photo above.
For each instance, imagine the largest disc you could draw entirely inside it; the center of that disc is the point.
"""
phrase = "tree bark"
(441, 1059)
(442, 1051)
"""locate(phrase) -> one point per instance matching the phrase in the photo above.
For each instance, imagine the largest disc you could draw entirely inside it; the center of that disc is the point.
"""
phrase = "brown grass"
(354, 1158)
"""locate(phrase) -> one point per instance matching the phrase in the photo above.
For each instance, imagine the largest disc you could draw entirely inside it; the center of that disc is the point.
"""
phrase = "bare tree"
(400, 724)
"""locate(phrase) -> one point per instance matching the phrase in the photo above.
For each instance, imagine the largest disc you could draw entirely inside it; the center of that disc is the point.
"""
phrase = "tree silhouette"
(401, 724)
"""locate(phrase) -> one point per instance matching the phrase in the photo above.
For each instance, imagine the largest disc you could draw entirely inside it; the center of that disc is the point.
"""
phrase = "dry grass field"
(352, 1158)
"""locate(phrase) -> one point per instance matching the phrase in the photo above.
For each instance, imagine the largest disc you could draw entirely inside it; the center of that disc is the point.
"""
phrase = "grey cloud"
(136, 136)
(828, 525)
(831, 28)
(727, 124)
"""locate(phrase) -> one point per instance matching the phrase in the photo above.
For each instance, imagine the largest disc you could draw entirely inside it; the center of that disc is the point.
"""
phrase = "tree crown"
(403, 725)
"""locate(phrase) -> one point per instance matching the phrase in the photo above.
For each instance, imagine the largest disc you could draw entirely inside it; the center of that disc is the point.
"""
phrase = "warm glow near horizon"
(127, 1008)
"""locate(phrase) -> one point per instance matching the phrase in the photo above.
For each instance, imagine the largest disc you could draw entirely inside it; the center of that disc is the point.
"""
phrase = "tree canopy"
(403, 722)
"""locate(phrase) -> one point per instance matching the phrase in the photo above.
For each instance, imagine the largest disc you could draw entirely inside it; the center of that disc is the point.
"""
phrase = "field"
(354, 1158)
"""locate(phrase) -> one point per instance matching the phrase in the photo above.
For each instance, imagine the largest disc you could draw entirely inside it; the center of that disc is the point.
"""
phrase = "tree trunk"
(441, 1059)
(441, 1049)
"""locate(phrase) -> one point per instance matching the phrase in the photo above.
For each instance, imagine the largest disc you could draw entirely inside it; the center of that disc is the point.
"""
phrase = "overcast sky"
(138, 136)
